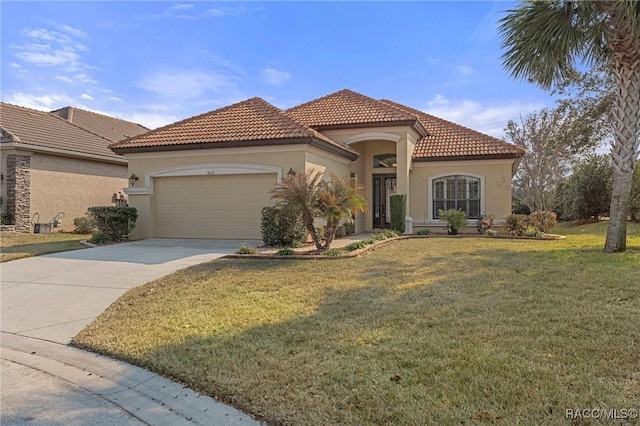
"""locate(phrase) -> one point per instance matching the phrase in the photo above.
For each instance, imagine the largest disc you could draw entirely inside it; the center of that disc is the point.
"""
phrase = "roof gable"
(447, 140)
(42, 129)
(111, 128)
(347, 108)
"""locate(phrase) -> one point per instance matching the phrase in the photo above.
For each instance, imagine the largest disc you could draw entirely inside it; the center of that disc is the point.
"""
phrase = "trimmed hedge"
(398, 204)
(84, 225)
(113, 223)
(281, 228)
(517, 224)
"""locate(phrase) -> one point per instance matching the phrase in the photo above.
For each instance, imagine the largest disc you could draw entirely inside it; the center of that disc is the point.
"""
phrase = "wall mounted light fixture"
(291, 172)
(133, 179)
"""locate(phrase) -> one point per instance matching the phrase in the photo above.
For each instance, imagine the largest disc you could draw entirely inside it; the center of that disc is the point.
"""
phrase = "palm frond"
(545, 40)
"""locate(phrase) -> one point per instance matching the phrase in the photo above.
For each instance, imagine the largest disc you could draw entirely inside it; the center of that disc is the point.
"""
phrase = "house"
(53, 167)
(210, 175)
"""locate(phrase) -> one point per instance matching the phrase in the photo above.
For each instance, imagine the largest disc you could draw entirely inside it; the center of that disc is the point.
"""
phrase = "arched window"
(384, 160)
(457, 192)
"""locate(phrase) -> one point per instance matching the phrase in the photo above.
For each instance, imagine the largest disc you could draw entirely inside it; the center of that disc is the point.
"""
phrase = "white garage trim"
(202, 170)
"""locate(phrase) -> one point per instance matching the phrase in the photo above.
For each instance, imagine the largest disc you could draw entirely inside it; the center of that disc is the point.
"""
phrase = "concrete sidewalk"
(47, 300)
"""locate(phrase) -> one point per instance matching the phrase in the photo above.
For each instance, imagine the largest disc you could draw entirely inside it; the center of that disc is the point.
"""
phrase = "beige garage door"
(223, 206)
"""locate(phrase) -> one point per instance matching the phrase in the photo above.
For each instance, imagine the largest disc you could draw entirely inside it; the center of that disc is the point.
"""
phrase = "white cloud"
(114, 99)
(75, 32)
(46, 102)
(223, 11)
(273, 76)
(86, 96)
(487, 117)
(15, 66)
(61, 50)
(181, 6)
(187, 84)
(63, 78)
(149, 120)
(465, 70)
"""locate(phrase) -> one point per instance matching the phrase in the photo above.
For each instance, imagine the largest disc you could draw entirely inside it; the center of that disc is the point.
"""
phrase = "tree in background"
(545, 41)
(547, 161)
(587, 193)
(634, 209)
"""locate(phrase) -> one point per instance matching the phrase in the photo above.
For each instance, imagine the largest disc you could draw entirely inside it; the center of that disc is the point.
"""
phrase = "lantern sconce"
(291, 172)
(133, 179)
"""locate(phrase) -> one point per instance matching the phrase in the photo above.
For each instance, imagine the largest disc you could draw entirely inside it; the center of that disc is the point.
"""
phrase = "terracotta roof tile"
(447, 140)
(43, 129)
(111, 128)
(345, 108)
(248, 121)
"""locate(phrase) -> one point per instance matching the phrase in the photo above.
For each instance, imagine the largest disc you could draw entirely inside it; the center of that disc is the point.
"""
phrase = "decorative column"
(19, 190)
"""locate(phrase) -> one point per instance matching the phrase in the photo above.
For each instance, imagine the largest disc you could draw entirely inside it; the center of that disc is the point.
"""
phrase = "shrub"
(349, 228)
(369, 241)
(390, 233)
(281, 227)
(340, 231)
(485, 223)
(490, 232)
(517, 224)
(455, 220)
(84, 225)
(334, 252)
(246, 249)
(114, 223)
(285, 252)
(398, 205)
(98, 238)
(356, 246)
(6, 219)
(423, 232)
(542, 221)
(634, 205)
(379, 236)
(587, 193)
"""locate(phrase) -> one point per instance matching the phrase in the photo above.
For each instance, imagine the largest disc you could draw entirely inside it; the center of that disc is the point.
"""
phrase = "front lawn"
(16, 245)
(425, 331)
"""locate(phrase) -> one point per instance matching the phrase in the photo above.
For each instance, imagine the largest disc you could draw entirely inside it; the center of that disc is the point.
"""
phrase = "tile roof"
(253, 120)
(447, 140)
(111, 128)
(42, 129)
(347, 108)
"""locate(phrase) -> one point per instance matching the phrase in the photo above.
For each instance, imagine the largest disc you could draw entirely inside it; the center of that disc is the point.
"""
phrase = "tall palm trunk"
(627, 134)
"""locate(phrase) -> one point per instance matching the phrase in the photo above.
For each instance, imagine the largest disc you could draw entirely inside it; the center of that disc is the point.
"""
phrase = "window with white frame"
(456, 192)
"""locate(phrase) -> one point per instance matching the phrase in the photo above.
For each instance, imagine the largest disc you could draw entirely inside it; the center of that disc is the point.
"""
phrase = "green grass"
(423, 331)
(18, 245)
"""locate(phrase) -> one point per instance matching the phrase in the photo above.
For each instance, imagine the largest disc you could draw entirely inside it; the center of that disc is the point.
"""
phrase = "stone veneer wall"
(19, 190)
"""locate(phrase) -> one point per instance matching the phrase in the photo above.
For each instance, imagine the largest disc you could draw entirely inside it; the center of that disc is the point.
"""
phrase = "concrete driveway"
(53, 297)
(47, 300)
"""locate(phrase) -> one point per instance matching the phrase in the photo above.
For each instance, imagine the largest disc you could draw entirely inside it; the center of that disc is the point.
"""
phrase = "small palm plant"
(311, 197)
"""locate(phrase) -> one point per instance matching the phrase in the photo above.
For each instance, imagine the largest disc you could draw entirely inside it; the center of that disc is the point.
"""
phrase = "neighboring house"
(111, 128)
(50, 165)
(209, 176)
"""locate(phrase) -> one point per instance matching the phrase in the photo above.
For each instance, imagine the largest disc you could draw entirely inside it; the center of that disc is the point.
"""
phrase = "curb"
(147, 396)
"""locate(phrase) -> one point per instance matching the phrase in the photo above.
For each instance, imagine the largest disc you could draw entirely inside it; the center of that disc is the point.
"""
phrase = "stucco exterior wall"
(71, 185)
(495, 195)
(145, 165)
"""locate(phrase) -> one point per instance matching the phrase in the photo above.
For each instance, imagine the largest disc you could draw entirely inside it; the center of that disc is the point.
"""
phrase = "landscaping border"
(371, 247)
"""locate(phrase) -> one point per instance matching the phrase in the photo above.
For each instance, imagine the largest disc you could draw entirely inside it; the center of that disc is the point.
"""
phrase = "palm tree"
(338, 200)
(309, 196)
(299, 193)
(546, 41)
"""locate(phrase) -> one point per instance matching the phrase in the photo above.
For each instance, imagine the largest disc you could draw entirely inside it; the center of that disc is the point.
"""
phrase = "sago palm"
(300, 193)
(546, 41)
(338, 199)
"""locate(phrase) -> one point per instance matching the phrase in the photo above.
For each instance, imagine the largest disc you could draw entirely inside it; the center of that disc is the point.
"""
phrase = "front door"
(383, 187)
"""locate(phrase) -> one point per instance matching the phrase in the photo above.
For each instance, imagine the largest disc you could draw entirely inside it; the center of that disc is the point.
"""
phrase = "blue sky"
(158, 62)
